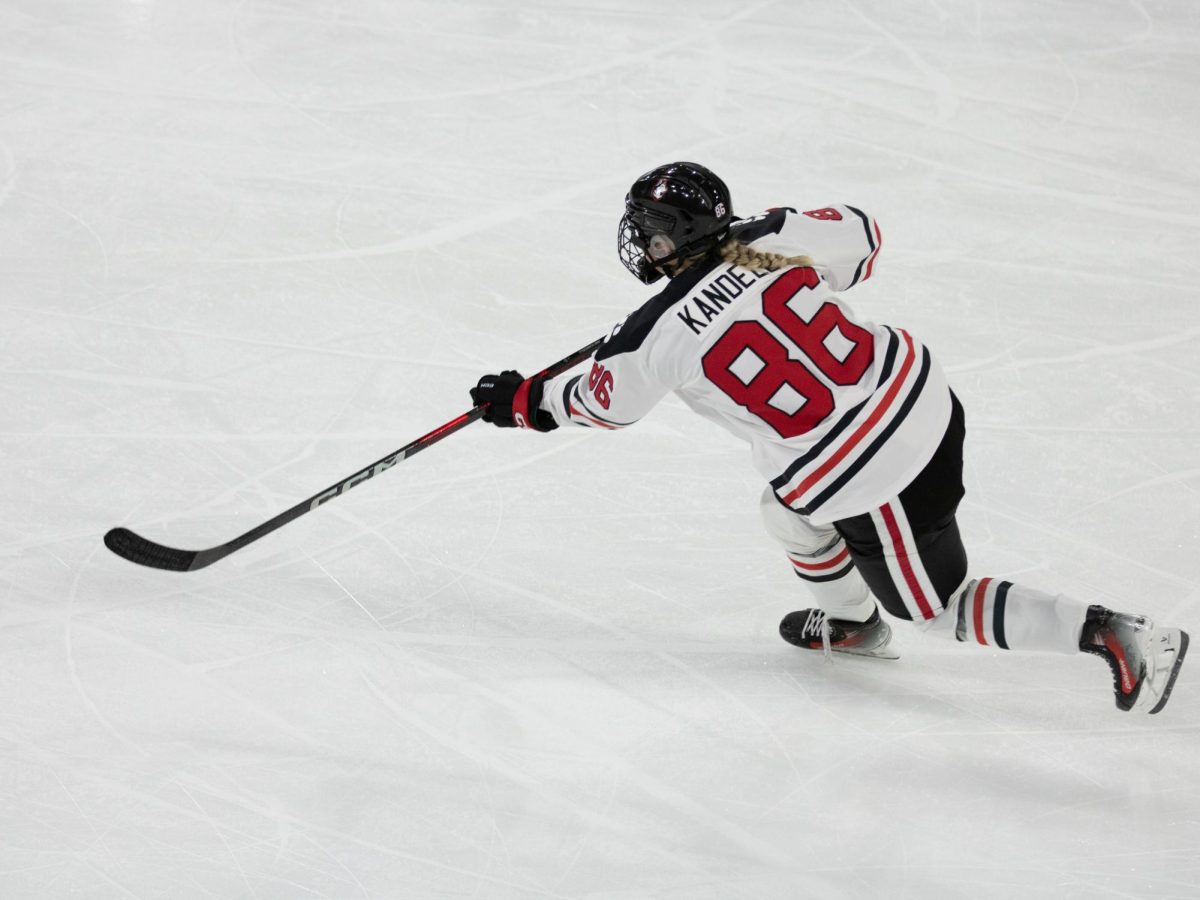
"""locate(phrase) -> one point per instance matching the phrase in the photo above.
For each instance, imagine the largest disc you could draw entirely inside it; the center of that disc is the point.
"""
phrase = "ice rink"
(250, 246)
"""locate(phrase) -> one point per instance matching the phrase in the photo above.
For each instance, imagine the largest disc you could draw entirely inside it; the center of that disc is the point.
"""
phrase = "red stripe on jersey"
(851, 442)
(829, 564)
(874, 253)
(977, 610)
(906, 566)
(576, 411)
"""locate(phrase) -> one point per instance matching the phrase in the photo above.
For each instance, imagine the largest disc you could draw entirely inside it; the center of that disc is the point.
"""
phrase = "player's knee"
(947, 615)
(798, 536)
(942, 621)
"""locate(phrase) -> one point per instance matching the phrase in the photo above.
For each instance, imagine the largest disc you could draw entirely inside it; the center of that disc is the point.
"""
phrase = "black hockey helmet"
(671, 213)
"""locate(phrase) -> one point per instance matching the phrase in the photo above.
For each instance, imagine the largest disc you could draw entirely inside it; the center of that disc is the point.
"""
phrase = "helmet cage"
(640, 239)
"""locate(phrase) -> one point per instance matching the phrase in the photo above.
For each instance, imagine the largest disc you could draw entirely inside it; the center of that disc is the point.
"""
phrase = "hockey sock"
(819, 557)
(835, 583)
(997, 613)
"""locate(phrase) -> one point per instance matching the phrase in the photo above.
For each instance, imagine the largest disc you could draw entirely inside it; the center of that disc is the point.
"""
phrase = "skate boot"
(813, 630)
(1144, 660)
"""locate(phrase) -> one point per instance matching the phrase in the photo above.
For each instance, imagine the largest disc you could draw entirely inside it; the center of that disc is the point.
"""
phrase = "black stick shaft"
(137, 549)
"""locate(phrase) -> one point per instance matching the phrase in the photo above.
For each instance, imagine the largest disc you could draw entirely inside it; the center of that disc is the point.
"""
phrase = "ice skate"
(813, 630)
(1145, 660)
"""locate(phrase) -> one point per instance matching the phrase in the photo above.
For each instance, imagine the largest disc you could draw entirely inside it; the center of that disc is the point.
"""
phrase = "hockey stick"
(144, 552)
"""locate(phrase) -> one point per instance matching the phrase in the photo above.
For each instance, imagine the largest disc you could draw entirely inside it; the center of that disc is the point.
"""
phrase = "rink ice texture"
(247, 248)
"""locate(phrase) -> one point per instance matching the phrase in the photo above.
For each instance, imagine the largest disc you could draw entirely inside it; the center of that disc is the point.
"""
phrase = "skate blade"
(1170, 647)
(877, 653)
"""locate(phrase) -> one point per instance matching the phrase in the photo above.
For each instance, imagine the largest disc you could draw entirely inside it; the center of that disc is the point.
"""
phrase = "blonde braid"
(739, 254)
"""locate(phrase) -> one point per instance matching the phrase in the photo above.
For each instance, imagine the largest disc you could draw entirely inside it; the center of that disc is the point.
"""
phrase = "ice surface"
(249, 247)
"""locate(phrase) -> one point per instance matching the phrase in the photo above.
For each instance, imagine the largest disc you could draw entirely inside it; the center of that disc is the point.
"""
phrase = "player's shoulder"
(771, 221)
(632, 333)
(777, 219)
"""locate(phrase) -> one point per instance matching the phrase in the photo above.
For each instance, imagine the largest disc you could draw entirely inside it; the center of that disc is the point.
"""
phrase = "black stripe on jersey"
(578, 395)
(641, 321)
(566, 397)
(863, 458)
(833, 576)
(889, 361)
(998, 613)
(770, 222)
(870, 243)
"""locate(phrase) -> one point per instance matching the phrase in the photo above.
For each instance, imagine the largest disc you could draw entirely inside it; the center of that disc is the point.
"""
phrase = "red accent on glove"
(520, 407)
(526, 403)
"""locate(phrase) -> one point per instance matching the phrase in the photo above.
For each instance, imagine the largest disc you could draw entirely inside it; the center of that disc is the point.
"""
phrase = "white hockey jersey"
(840, 414)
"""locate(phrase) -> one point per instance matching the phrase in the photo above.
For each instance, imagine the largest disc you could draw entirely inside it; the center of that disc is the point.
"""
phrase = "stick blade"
(137, 549)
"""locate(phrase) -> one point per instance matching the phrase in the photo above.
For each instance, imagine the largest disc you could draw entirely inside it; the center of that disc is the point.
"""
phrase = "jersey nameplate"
(715, 295)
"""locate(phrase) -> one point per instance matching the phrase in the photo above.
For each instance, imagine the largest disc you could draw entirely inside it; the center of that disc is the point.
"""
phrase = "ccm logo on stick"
(357, 478)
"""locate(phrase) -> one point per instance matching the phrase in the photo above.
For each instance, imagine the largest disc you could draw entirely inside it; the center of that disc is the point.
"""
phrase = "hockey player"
(852, 424)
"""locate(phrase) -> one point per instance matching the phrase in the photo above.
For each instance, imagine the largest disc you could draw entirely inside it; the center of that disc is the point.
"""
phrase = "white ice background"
(249, 246)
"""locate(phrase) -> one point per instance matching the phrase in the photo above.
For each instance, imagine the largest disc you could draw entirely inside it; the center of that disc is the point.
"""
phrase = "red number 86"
(600, 382)
(757, 382)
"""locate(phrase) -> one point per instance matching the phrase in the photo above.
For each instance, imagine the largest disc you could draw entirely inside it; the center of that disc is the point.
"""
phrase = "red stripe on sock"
(977, 611)
(829, 564)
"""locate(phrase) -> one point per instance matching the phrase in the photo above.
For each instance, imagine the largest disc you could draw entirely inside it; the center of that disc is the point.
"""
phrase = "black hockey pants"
(909, 550)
